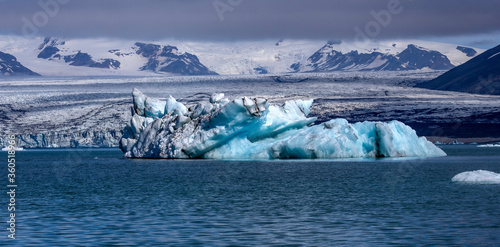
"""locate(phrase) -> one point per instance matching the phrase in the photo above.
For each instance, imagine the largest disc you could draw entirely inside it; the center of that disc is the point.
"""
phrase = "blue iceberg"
(251, 128)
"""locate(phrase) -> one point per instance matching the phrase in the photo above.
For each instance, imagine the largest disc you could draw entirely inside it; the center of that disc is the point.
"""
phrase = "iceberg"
(489, 146)
(477, 177)
(252, 128)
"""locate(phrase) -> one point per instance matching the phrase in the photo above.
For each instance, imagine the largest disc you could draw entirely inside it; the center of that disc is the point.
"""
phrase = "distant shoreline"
(476, 140)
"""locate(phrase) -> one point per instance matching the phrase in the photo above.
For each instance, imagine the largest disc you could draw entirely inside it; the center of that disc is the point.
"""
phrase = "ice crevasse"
(251, 128)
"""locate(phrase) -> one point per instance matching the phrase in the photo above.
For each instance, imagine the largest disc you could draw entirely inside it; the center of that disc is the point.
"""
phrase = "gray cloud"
(247, 19)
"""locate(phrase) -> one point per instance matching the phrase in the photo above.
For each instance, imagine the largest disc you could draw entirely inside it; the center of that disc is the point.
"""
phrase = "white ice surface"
(489, 146)
(477, 177)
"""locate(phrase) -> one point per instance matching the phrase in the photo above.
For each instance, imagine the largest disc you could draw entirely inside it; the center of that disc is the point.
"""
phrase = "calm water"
(96, 197)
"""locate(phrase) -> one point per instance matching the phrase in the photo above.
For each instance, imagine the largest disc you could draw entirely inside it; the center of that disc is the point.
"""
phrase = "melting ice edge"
(251, 128)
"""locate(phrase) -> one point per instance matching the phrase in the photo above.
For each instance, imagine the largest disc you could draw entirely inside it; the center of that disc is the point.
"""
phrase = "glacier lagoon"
(81, 197)
(253, 129)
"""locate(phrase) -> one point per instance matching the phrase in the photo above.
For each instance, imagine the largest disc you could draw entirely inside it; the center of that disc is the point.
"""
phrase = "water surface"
(96, 197)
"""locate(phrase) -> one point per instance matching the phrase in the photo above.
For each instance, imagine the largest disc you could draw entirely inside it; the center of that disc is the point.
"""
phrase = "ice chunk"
(251, 128)
(233, 119)
(154, 108)
(489, 146)
(137, 125)
(139, 101)
(216, 98)
(477, 177)
(399, 140)
(175, 107)
(339, 139)
(149, 107)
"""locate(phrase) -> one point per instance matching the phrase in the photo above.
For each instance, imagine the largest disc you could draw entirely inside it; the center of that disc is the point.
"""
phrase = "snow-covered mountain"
(330, 58)
(100, 56)
(169, 59)
(160, 58)
(10, 66)
(49, 49)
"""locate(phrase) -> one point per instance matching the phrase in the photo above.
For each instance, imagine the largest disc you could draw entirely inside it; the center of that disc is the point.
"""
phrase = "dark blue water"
(96, 197)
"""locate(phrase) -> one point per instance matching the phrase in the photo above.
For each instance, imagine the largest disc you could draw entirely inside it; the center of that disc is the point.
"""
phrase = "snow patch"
(494, 55)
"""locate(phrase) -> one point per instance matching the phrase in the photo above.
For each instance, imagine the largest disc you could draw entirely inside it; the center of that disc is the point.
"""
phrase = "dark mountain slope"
(479, 75)
(9, 66)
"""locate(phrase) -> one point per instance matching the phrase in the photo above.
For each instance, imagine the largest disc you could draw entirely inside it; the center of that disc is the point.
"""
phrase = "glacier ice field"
(93, 111)
(252, 128)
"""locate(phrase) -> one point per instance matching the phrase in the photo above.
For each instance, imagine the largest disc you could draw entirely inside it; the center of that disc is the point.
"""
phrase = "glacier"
(477, 177)
(252, 128)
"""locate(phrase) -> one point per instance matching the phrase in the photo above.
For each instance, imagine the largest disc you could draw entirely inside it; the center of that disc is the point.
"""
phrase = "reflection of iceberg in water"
(477, 177)
(251, 128)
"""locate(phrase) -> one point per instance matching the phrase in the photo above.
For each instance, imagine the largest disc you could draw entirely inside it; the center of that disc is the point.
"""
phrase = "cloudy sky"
(469, 22)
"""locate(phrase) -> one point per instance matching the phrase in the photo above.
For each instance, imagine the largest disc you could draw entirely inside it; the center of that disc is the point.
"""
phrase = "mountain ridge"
(328, 59)
(100, 56)
(168, 59)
